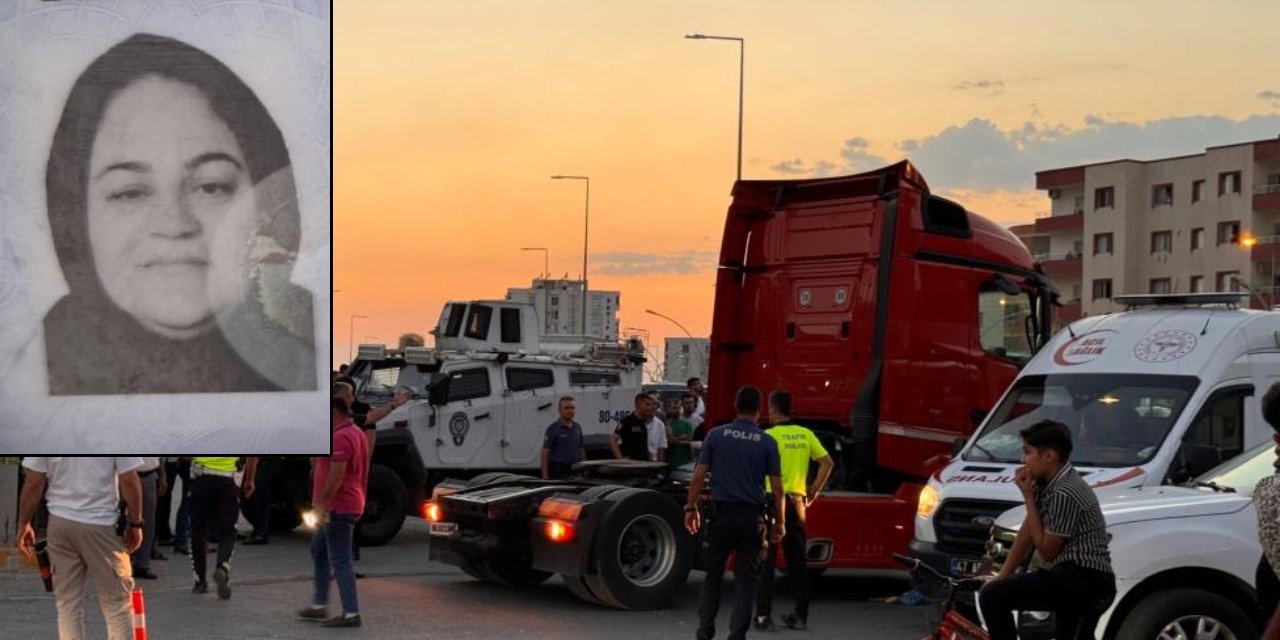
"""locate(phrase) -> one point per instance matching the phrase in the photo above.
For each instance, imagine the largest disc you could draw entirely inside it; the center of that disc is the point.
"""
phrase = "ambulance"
(1154, 395)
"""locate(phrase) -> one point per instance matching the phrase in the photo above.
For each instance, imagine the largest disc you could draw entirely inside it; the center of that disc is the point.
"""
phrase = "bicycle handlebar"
(914, 564)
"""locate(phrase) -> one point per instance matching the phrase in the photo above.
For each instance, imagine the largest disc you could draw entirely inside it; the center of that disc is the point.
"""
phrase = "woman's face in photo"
(164, 175)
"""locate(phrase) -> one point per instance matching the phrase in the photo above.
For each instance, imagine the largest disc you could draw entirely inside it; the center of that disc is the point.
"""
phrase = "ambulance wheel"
(641, 554)
(385, 506)
(1187, 613)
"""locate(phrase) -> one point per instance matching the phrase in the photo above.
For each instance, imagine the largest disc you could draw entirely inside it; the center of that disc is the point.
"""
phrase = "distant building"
(685, 358)
(559, 305)
(1174, 225)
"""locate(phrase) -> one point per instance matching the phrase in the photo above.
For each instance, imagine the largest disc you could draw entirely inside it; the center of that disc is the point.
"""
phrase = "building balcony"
(1266, 197)
(1062, 267)
(1265, 249)
(1072, 222)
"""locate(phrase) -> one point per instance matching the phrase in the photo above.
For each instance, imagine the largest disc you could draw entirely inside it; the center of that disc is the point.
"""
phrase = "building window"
(1197, 284)
(1197, 238)
(1197, 190)
(1102, 243)
(1079, 205)
(1161, 194)
(1227, 281)
(1077, 290)
(555, 301)
(1228, 233)
(1104, 197)
(1161, 285)
(1228, 182)
(1161, 241)
(1102, 289)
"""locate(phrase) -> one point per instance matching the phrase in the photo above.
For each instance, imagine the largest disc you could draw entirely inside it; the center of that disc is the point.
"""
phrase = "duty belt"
(198, 470)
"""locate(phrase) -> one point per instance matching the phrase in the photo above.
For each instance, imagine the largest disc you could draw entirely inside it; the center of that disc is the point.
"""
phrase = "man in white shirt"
(151, 475)
(657, 430)
(83, 495)
(698, 389)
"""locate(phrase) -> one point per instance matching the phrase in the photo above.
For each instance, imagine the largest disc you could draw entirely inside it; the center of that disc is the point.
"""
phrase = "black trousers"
(558, 470)
(1069, 591)
(1268, 590)
(261, 499)
(738, 528)
(215, 507)
(793, 549)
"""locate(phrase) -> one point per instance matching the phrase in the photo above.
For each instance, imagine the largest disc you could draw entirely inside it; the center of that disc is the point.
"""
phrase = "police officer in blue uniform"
(740, 456)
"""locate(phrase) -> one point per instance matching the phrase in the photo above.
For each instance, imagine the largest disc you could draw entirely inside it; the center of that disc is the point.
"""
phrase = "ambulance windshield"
(1116, 420)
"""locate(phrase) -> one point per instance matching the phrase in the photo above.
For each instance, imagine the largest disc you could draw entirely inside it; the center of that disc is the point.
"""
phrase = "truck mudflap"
(620, 547)
(861, 530)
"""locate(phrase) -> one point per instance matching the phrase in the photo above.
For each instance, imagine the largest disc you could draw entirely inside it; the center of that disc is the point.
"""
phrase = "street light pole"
(351, 338)
(692, 339)
(742, 65)
(586, 222)
(546, 259)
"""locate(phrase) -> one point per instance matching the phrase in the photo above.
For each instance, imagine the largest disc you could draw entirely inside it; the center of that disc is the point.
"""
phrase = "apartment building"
(559, 304)
(685, 358)
(1197, 223)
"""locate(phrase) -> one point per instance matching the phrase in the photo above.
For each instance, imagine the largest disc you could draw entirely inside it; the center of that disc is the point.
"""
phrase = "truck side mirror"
(1194, 459)
(977, 416)
(438, 388)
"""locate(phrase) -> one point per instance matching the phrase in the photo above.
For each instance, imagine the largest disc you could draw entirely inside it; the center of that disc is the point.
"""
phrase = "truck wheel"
(642, 555)
(1187, 613)
(384, 507)
(578, 587)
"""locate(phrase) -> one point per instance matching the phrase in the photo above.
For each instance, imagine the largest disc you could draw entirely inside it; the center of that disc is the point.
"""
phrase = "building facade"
(684, 358)
(559, 304)
(1198, 223)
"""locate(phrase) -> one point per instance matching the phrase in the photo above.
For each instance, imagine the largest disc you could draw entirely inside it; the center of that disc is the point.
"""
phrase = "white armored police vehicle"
(483, 397)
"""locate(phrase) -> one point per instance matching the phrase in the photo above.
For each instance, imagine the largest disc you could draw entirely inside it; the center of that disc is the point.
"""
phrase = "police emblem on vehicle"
(458, 426)
(1163, 346)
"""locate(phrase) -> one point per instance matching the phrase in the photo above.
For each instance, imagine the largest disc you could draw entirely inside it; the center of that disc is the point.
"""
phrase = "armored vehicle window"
(526, 379)
(468, 384)
(583, 378)
(510, 325)
(478, 322)
(457, 311)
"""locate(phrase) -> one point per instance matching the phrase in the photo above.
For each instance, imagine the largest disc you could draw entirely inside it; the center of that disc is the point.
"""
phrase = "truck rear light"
(431, 511)
(558, 531)
(558, 508)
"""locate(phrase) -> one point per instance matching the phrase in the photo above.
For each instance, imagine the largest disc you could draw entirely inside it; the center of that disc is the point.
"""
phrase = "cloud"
(978, 155)
(984, 83)
(855, 155)
(789, 167)
(634, 263)
(1270, 96)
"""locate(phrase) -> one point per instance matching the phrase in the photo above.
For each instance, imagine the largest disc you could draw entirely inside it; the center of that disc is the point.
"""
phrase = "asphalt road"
(405, 596)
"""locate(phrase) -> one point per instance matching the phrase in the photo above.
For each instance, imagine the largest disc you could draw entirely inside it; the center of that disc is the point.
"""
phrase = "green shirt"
(796, 447)
(218, 464)
(679, 453)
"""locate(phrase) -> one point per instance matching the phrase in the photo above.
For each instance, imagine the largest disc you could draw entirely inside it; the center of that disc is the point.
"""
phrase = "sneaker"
(317, 612)
(794, 621)
(222, 577)
(201, 587)
(344, 620)
(763, 623)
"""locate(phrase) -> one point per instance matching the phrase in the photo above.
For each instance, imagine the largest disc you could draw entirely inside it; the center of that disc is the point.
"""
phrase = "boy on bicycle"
(1064, 525)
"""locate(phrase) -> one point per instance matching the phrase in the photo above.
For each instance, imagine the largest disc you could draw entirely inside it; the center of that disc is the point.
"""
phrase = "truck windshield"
(1116, 420)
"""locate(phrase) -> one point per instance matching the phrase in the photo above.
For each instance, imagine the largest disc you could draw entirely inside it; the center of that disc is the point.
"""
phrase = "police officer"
(742, 456)
(797, 446)
(215, 507)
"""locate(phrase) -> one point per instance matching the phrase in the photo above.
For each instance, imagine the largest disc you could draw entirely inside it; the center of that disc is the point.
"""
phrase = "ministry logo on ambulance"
(1163, 346)
(1083, 348)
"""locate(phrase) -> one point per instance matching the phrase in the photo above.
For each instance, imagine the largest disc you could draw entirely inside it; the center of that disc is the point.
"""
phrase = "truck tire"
(578, 584)
(1190, 613)
(641, 554)
(385, 507)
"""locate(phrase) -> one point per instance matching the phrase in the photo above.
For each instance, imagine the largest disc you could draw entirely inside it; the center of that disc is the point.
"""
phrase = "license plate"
(444, 529)
(964, 566)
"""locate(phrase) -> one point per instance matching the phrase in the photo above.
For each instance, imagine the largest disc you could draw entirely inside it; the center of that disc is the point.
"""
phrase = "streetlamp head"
(695, 36)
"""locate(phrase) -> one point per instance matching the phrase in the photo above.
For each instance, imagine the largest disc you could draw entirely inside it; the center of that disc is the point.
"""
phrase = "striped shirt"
(1069, 508)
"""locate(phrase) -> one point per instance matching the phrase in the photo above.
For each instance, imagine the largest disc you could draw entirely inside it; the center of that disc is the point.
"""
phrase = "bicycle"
(952, 625)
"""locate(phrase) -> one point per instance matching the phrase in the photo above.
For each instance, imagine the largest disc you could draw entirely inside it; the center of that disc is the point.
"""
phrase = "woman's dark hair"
(781, 402)
(1049, 434)
(747, 401)
(1271, 407)
(140, 56)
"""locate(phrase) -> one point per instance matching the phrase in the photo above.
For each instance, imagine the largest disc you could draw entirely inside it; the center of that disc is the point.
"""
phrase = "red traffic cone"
(139, 616)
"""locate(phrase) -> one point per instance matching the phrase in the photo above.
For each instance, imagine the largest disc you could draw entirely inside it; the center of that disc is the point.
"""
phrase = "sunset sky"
(450, 116)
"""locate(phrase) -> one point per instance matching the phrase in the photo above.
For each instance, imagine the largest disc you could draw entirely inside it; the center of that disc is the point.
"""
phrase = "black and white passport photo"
(164, 226)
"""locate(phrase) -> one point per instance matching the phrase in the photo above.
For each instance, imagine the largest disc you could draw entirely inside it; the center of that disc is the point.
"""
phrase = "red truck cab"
(896, 318)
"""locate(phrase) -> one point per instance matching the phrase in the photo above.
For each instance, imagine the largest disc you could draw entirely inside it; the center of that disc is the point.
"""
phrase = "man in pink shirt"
(337, 496)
